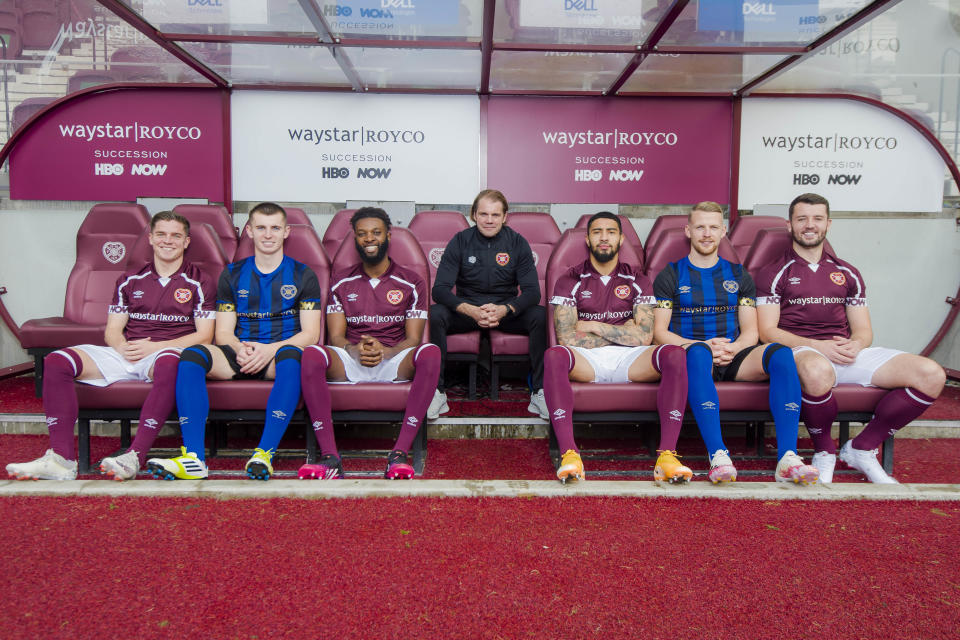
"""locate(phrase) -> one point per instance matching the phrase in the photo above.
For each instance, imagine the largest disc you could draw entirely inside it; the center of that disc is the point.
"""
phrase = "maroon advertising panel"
(624, 150)
(123, 145)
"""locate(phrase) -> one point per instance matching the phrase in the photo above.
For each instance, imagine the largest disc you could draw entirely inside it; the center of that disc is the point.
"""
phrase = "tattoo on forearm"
(636, 332)
(565, 324)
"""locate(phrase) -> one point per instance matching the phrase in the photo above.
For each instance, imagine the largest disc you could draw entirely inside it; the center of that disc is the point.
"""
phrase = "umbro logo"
(815, 430)
(794, 280)
(279, 415)
(559, 413)
(150, 423)
(683, 289)
(792, 406)
(184, 419)
(676, 415)
(708, 405)
(51, 421)
(352, 297)
(585, 294)
(318, 425)
(412, 421)
(137, 294)
(243, 293)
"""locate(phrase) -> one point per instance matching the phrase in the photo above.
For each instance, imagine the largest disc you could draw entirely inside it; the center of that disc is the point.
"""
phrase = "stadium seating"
(218, 218)
(629, 233)
(336, 231)
(41, 23)
(636, 403)
(85, 78)
(660, 225)
(297, 216)
(768, 246)
(541, 232)
(672, 245)
(138, 64)
(26, 110)
(433, 230)
(104, 243)
(746, 228)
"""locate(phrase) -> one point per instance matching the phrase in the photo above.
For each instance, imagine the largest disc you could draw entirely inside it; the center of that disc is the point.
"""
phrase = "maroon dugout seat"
(86, 78)
(27, 109)
(660, 225)
(11, 42)
(536, 227)
(629, 233)
(138, 64)
(337, 230)
(743, 232)
(673, 244)
(41, 23)
(297, 216)
(218, 218)
(770, 245)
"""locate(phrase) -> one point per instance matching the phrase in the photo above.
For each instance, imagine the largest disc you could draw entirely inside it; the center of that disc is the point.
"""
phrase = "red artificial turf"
(479, 568)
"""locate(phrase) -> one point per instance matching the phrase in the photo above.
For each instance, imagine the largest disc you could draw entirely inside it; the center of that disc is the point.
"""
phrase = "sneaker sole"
(317, 472)
(725, 473)
(399, 472)
(258, 471)
(444, 409)
(659, 475)
(805, 479)
(159, 473)
(564, 474)
(114, 473)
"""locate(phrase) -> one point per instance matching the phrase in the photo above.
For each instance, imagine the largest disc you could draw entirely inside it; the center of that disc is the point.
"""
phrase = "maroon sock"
(818, 414)
(60, 369)
(316, 395)
(426, 359)
(897, 409)
(671, 362)
(557, 364)
(159, 403)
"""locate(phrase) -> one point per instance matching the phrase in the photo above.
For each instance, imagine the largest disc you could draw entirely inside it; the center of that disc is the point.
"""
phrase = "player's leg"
(818, 407)
(319, 365)
(60, 369)
(281, 403)
(915, 383)
(775, 361)
(444, 321)
(197, 363)
(157, 406)
(560, 366)
(705, 407)
(668, 363)
(533, 324)
(423, 365)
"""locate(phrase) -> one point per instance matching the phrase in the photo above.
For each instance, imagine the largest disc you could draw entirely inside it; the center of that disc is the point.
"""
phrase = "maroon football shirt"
(163, 308)
(609, 299)
(813, 298)
(378, 307)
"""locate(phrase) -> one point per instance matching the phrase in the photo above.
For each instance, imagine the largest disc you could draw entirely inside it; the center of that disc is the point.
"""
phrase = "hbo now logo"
(107, 169)
(117, 169)
(587, 175)
(335, 172)
(834, 178)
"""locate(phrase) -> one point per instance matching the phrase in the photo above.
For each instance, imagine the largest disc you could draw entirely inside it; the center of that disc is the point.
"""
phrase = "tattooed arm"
(568, 331)
(636, 332)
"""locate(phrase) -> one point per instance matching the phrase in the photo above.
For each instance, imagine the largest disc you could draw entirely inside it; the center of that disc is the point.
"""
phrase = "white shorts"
(612, 362)
(386, 371)
(114, 367)
(861, 370)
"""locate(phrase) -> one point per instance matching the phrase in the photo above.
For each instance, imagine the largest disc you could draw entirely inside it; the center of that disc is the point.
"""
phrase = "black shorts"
(237, 375)
(728, 372)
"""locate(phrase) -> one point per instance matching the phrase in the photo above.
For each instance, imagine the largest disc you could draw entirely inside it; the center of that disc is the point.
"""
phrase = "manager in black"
(487, 264)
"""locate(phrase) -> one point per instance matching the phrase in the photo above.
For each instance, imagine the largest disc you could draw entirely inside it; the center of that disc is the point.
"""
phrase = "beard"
(604, 256)
(375, 258)
(798, 238)
(710, 252)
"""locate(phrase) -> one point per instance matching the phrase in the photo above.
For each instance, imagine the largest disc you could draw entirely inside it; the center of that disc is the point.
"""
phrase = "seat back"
(437, 225)
(337, 230)
(105, 243)
(743, 232)
(137, 63)
(536, 227)
(27, 109)
(673, 245)
(769, 245)
(660, 225)
(572, 250)
(629, 234)
(297, 216)
(85, 78)
(219, 220)
(304, 245)
(41, 24)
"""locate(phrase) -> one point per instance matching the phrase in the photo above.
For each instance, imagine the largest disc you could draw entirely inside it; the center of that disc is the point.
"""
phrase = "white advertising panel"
(205, 11)
(325, 147)
(858, 156)
(577, 14)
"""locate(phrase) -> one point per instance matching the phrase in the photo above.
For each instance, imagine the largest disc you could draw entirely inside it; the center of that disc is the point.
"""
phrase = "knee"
(699, 355)
(198, 355)
(932, 377)
(315, 359)
(535, 318)
(427, 354)
(671, 359)
(778, 359)
(166, 363)
(439, 317)
(61, 360)
(288, 352)
(816, 374)
(558, 357)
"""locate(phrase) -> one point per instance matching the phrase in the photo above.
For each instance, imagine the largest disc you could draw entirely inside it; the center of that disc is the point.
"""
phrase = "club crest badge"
(114, 251)
(182, 295)
(394, 296)
(288, 291)
(838, 278)
(435, 255)
(622, 292)
(731, 286)
(503, 259)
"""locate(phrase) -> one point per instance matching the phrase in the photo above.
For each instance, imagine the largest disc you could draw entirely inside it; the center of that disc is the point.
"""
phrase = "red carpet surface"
(479, 568)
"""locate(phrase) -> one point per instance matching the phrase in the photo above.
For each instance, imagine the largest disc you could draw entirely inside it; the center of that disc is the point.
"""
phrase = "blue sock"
(193, 404)
(283, 397)
(702, 396)
(784, 395)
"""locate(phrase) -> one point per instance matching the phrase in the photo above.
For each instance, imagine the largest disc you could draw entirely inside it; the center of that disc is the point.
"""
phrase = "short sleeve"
(665, 287)
(119, 303)
(226, 297)
(564, 293)
(644, 290)
(417, 310)
(207, 303)
(748, 290)
(311, 296)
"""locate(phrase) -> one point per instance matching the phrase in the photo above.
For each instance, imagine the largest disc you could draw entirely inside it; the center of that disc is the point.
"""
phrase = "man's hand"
(588, 326)
(492, 314)
(839, 350)
(254, 356)
(471, 311)
(723, 351)
(370, 351)
(135, 350)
